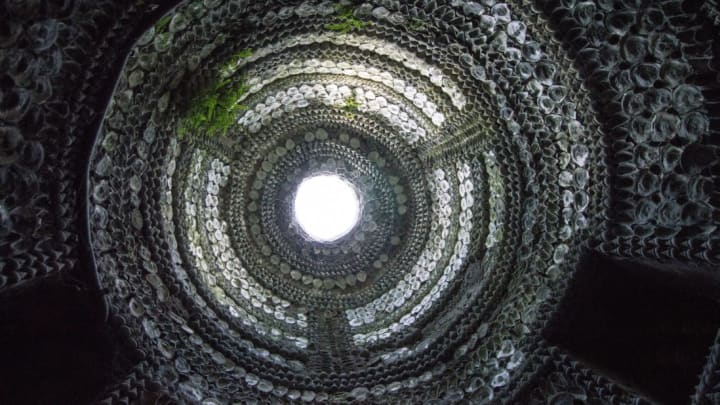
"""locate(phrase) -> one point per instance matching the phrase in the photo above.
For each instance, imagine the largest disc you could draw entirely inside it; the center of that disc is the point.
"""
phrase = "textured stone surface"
(492, 142)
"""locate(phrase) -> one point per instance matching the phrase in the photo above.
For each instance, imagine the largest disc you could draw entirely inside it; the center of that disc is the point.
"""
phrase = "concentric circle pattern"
(467, 132)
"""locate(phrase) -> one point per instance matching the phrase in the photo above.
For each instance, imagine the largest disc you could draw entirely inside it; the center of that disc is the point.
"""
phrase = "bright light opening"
(326, 207)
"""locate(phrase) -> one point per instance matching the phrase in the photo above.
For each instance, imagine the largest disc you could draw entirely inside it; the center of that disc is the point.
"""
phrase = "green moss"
(163, 23)
(214, 111)
(350, 106)
(229, 68)
(245, 53)
(417, 24)
(352, 103)
(346, 20)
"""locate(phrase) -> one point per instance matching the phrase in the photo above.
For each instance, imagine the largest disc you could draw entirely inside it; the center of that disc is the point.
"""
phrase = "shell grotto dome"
(381, 201)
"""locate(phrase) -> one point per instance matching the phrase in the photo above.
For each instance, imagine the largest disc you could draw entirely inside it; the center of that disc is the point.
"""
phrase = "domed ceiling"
(487, 144)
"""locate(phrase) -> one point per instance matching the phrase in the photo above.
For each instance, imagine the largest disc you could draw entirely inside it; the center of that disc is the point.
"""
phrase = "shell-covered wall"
(492, 144)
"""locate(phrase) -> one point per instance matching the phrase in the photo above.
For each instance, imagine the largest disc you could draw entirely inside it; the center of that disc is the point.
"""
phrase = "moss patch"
(350, 106)
(215, 109)
(346, 20)
(417, 24)
(163, 23)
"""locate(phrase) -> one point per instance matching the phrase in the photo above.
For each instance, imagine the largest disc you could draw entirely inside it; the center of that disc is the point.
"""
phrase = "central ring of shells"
(437, 288)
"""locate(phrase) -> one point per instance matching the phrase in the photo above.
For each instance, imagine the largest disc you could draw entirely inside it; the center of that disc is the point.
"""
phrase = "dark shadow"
(54, 346)
(649, 328)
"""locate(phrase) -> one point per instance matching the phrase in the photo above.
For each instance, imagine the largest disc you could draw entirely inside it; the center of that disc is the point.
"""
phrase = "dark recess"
(54, 348)
(648, 328)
